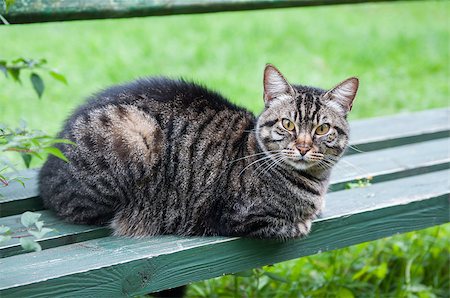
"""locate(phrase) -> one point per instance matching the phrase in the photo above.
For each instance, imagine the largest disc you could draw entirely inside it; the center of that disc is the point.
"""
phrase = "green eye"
(288, 124)
(323, 129)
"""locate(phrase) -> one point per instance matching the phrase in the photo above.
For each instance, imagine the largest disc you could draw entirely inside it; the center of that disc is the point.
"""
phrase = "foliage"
(409, 265)
(360, 183)
(29, 143)
(7, 4)
(34, 227)
(14, 68)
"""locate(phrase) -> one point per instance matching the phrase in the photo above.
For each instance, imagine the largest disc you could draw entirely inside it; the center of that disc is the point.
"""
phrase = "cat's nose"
(303, 148)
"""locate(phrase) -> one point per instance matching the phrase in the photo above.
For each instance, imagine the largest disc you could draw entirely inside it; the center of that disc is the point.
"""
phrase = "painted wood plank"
(117, 266)
(384, 132)
(63, 234)
(15, 198)
(392, 163)
(366, 135)
(382, 165)
(30, 11)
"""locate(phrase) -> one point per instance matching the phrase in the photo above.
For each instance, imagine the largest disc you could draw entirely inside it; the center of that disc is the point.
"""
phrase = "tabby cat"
(160, 156)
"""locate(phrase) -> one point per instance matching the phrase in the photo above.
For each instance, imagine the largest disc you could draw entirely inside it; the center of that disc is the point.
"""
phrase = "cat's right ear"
(275, 84)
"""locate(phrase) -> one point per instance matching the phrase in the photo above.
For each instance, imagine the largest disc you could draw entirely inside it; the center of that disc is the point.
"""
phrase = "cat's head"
(301, 126)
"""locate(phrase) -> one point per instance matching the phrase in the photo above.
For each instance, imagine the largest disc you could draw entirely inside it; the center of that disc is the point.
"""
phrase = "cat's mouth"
(302, 161)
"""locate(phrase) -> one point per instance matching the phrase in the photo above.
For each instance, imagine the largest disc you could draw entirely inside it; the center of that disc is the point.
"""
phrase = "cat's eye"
(288, 124)
(323, 129)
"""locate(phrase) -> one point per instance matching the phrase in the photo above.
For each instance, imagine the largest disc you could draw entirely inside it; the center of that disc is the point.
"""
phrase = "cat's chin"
(300, 164)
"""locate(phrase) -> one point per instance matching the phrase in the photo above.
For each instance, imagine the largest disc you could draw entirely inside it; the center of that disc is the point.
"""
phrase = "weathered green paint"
(63, 234)
(392, 163)
(385, 132)
(15, 198)
(32, 11)
(114, 266)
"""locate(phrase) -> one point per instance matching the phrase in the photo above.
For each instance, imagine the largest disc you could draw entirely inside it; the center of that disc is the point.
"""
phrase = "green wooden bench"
(409, 191)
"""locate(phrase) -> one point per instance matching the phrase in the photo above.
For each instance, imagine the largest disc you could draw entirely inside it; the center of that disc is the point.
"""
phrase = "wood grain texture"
(402, 129)
(114, 266)
(31, 11)
(385, 132)
(382, 165)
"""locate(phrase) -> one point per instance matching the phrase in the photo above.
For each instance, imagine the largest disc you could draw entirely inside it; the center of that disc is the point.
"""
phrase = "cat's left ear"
(343, 94)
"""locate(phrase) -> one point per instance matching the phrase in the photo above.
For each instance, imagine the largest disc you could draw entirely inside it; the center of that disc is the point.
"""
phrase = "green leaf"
(9, 3)
(41, 233)
(276, 277)
(30, 244)
(58, 76)
(247, 273)
(56, 152)
(15, 74)
(198, 290)
(26, 159)
(19, 180)
(38, 84)
(345, 293)
(39, 225)
(5, 230)
(4, 238)
(62, 141)
(29, 218)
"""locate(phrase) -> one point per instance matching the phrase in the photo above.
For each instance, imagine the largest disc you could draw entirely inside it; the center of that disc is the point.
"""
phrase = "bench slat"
(118, 266)
(384, 132)
(63, 234)
(24, 11)
(402, 129)
(382, 165)
(15, 198)
(392, 163)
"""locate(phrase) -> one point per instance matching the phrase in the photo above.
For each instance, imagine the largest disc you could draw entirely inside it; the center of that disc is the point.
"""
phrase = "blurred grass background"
(400, 52)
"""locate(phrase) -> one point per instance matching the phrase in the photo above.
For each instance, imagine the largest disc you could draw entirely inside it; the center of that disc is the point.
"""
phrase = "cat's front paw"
(303, 228)
(284, 231)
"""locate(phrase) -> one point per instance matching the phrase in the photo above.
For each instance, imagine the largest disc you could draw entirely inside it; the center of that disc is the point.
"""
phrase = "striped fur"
(160, 156)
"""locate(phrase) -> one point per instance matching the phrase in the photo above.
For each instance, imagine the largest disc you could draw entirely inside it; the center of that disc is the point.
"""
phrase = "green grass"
(400, 52)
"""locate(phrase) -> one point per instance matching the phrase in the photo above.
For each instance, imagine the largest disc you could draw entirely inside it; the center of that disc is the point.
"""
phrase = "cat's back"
(135, 136)
(152, 94)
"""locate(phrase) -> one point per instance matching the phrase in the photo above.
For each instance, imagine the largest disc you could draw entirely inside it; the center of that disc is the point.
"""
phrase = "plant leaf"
(9, 3)
(276, 277)
(62, 141)
(56, 152)
(39, 225)
(26, 159)
(15, 74)
(30, 244)
(38, 84)
(247, 273)
(5, 230)
(58, 76)
(4, 238)
(29, 218)
(41, 233)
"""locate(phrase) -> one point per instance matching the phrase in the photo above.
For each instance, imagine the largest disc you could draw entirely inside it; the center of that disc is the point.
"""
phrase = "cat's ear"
(275, 84)
(342, 96)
